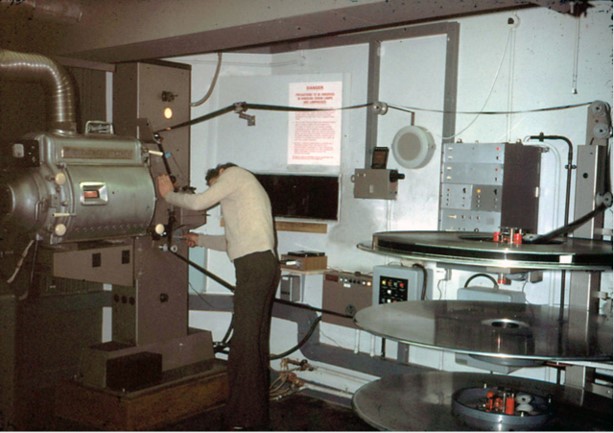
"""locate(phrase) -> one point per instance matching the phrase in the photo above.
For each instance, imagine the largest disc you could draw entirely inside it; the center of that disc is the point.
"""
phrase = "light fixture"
(168, 113)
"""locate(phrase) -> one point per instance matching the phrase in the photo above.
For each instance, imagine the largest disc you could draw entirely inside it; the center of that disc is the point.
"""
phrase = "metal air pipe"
(56, 82)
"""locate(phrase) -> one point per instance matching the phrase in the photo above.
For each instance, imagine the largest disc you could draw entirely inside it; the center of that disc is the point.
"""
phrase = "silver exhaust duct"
(57, 83)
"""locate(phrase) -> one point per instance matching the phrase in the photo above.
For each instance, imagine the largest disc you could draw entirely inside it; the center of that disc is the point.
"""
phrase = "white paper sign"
(314, 137)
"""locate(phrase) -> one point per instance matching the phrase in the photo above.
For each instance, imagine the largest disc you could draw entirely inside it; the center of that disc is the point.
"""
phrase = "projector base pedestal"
(177, 397)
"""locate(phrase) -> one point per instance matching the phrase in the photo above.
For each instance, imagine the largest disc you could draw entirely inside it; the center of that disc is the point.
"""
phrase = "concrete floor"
(298, 412)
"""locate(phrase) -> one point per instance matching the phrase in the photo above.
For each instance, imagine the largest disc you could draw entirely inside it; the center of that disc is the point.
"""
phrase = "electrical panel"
(400, 283)
(376, 183)
(345, 293)
(485, 186)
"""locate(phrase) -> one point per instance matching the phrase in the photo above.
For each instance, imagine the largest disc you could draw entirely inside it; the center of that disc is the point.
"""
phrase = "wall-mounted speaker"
(413, 146)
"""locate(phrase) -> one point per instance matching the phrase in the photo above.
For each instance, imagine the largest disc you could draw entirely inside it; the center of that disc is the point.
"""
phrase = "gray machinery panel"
(102, 263)
(473, 153)
(486, 198)
(345, 293)
(488, 185)
(469, 220)
(457, 196)
(465, 172)
(393, 283)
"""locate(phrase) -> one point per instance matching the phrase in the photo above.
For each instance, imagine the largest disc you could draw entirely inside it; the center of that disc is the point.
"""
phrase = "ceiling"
(129, 30)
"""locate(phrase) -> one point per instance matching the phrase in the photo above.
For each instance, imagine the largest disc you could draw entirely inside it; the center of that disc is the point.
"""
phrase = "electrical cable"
(280, 301)
(569, 167)
(300, 344)
(424, 280)
(473, 277)
(243, 106)
(566, 229)
(24, 254)
(311, 308)
(212, 85)
(493, 113)
(205, 271)
(226, 340)
(490, 91)
(199, 119)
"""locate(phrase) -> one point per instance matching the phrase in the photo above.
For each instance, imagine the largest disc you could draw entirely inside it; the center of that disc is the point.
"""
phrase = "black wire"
(300, 344)
(220, 346)
(200, 119)
(567, 228)
(284, 108)
(311, 308)
(281, 301)
(206, 272)
(473, 277)
(535, 110)
(243, 106)
(424, 280)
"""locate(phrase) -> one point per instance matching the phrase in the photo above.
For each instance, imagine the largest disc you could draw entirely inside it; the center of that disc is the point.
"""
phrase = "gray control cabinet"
(485, 186)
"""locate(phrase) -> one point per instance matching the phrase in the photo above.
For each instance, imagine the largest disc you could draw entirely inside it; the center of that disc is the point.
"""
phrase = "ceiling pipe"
(56, 82)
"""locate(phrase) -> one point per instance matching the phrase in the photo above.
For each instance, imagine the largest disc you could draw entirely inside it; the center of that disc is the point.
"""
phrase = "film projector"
(81, 229)
(572, 336)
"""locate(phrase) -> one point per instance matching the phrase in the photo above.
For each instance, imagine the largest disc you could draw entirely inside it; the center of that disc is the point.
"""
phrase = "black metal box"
(132, 372)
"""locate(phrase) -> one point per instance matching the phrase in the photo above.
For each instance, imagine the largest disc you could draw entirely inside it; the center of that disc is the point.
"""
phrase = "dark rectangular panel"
(302, 196)
(520, 206)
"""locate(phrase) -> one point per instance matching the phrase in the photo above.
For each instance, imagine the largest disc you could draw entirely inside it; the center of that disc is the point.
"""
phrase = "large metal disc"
(423, 402)
(493, 329)
(478, 249)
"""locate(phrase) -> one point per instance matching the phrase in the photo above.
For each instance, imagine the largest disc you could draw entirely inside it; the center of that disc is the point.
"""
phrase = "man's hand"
(191, 239)
(165, 185)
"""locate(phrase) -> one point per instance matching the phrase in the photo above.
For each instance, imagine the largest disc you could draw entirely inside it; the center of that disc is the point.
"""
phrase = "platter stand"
(519, 335)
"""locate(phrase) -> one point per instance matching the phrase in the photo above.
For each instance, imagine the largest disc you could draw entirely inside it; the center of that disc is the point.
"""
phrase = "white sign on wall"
(314, 137)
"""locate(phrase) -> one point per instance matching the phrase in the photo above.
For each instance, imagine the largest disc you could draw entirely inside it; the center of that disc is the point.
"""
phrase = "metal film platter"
(504, 331)
(493, 329)
(423, 402)
(509, 334)
(478, 249)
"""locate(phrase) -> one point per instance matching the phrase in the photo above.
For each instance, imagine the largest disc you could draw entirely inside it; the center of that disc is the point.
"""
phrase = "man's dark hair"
(215, 172)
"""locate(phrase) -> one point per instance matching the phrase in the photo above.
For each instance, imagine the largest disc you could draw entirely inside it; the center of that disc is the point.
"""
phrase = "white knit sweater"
(246, 209)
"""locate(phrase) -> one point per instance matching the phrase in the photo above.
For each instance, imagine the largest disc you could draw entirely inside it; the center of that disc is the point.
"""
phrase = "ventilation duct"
(57, 84)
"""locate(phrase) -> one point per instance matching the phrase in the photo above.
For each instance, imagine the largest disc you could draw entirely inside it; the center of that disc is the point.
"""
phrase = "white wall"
(546, 60)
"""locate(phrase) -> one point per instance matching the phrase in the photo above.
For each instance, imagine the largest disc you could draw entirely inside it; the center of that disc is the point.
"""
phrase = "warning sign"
(314, 137)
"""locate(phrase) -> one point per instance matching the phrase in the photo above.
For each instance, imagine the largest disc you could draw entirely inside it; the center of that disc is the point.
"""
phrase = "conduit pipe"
(56, 82)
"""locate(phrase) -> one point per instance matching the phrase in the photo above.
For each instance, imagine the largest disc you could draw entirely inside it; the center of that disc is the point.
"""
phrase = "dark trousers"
(257, 276)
